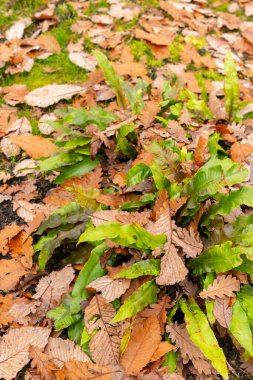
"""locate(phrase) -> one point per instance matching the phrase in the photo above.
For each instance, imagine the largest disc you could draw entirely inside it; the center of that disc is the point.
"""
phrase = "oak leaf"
(143, 342)
(42, 363)
(100, 217)
(74, 370)
(61, 351)
(147, 116)
(110, 288)
(222, 287)
(14, 348)
(98, 315)
(34, 146)
(188, 240)
(92, 179)
(51, 94)
(188, 350)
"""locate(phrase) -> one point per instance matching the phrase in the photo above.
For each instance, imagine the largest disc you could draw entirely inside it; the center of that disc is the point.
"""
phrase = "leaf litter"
(126, 203)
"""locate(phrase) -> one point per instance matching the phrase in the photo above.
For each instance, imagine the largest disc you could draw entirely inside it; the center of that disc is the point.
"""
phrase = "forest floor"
(126, 224)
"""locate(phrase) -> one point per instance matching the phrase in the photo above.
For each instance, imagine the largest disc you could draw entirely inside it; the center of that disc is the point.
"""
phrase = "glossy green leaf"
(141, 268)
(142, 297)
(231, 86)
(62, 317)
(59, 160)
(243, 196)
(146, 199)
(203, 336)
(90, 272)
(245, 296)
(137, 174)
(240, 328)
(127, 235)
(218, 259)
(76, 170)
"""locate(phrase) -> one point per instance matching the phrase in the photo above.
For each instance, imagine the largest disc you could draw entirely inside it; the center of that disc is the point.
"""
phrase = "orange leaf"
(34, 146)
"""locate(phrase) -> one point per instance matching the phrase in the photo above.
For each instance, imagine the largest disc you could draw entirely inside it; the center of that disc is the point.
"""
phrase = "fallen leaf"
(222, 287)
(110, 288)
(34, 146)
(42, 363)
(161, 350)
(61, 351)
(239, 151)
(16, 31)
(74, 370)
(6, 235)
(108, 352)
(14, 348)
(11, 272)
(83, 60)
(223, 311)
(15, 94)
(143, 343)
(51, 94)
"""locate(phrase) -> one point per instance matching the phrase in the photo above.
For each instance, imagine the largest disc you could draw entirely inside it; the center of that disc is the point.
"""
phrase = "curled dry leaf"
(62, 351)
(6, 235)
(51, 94)
(161, 350)
(110, 288)
(223, 311)
(34, 146)
(14, 348)
(143, 343)
(108, 352)
(222, 287)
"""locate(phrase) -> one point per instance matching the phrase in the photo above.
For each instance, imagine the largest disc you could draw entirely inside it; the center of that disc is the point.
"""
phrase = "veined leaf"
(141, 268)
(62, 317)
(145, 200)
(243, 196)
(71, 213)
(114, 80)
(123, 144)
(127, 235)
(137, 174)
(240, 328)
(231, 86)
(245, 296)
(59, 160)
(85, 196)
(218, 259)
(144, 296)
(202, 335)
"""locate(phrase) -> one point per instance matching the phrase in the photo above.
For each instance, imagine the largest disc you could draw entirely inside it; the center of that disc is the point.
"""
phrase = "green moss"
(63, 32)
(211, 75)
(69, 73)
(140, 49)
(176, 48)
(65, 11)
(197, 42)
(88, 45)
(147, 3)
(27, 112)
(123, 26)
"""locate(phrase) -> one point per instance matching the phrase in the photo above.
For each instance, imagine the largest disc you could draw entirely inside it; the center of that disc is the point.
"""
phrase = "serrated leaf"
(127, 235)
(142, 297)
(137, 174)
(110, 288)
(202, 335)
(218, 259)
(240, 328)
(222, 287)
(141, 268)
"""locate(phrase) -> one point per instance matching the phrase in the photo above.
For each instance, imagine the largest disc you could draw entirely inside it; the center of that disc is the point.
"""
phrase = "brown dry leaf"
(14, 348)
(100, 217)
(246, 29)
(61, 351)
(105, 344)
(200, 154)
(92, 179)
(161, 350)
(27, 211)
(143, 342)
(156, 39)
(51, 288)
(173, 269)
(239, 152)
(11, 272)
(15, 94)
(158, 309)
(223, 311)
(51, 94)
(42, 363)
(176, 204)
(188, 240)
(74, 370)
(34, 146)
(21, 247)
(16, 31)
(188, 350)
(47, 42)
(83, 60)
(24, 313)
(6, 235)
(222, 287)
(133, 69)
(110, 288)
(6, 303)
(144, 157)
(161, 203)
(147, 116)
